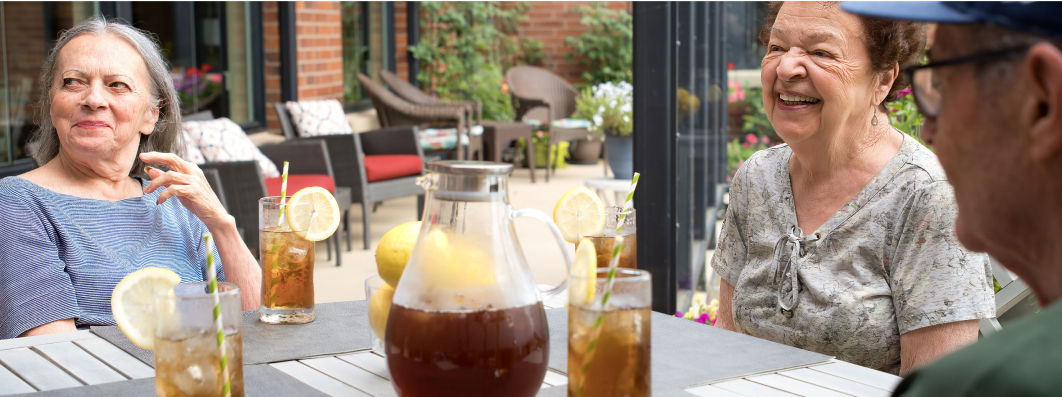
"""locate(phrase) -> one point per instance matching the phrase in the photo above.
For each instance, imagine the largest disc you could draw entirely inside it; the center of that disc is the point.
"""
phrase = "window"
(209, 45)
(368, 30)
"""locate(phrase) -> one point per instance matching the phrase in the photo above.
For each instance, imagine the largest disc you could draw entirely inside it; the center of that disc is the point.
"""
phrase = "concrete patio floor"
(347, 281)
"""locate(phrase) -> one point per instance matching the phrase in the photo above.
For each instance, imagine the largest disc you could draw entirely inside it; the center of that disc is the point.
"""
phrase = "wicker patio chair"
(393, 111)
(349, 155)
(411, 93)
(539, 94)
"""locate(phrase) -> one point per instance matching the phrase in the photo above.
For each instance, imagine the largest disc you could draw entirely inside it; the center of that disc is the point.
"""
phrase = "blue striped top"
(61, 256)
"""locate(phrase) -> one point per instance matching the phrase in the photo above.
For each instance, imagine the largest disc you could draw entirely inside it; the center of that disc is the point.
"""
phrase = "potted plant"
(197, 88)
(609, 106)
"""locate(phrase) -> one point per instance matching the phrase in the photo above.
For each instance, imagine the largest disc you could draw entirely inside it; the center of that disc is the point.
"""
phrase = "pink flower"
(746, 144)
(751, 139)
(714, 320)
(767, 141)
(215, 78)
(678, 314)
(904, 92)
(740, 163)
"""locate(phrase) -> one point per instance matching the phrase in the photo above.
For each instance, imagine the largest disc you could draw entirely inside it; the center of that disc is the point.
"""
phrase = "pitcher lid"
(470, 167)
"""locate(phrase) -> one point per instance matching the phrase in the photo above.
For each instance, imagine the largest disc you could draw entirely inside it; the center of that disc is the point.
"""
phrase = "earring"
(874, 121)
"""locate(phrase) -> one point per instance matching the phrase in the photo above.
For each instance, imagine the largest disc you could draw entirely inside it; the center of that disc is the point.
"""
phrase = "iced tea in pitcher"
(467, 319)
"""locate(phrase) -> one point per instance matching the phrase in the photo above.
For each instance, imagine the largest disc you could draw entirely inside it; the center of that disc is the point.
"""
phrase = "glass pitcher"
(467, 318)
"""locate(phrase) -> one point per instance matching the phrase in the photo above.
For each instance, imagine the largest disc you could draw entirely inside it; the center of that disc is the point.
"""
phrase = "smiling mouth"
(797, 100)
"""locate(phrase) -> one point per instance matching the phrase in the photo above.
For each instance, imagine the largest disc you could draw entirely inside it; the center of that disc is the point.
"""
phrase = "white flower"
(626, 119)
(600, 109)
(612, 104)
(626, 107)
(598, 120)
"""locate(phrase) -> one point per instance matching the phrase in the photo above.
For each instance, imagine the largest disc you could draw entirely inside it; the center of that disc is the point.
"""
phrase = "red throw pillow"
(298, 182)
(382, 167)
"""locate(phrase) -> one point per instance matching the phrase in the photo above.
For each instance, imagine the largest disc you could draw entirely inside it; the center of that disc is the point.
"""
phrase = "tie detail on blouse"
(786, 274)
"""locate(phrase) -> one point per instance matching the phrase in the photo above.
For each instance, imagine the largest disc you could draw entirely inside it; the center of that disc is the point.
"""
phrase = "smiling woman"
(91, 213)
(842, 241)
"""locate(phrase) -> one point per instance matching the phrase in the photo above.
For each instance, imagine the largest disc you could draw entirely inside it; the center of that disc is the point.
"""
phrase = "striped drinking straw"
(212, 288)
(283, 194)
(612, 265)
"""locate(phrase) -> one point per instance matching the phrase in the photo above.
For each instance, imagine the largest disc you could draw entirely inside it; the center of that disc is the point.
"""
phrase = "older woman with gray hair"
(88, 216)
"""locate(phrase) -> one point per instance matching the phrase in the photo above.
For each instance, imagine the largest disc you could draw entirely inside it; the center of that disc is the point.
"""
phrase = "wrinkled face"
(816, 75)
(979, 149)
(101, 98)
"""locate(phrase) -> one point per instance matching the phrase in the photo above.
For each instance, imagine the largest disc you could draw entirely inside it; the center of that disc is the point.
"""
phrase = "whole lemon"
(394, 250)
(379, 308)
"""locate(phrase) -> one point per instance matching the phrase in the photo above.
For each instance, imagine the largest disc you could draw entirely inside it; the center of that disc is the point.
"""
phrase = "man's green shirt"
(1025, 359)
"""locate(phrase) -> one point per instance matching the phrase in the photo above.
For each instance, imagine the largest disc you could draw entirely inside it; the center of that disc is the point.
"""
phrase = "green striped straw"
(212, 288)
(283, 194)
(617, 247)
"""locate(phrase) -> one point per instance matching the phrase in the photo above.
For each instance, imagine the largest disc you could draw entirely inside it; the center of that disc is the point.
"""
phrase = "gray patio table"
(82, 360)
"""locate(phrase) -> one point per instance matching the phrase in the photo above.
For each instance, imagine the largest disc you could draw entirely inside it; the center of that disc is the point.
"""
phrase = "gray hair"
(166, 137)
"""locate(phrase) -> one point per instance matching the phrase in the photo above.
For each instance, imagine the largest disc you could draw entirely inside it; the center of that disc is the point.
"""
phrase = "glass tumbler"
(605, 237)
(618, 365)
(287, 267)
(187, 356)
(379, 294)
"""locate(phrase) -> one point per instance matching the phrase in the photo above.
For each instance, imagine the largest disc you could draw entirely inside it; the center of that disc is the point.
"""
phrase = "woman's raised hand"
(187, 183)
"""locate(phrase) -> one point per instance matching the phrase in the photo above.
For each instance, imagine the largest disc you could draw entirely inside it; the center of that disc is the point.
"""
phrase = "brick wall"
(548, 21)
(551, 22)
(318, 31)
(271, 67)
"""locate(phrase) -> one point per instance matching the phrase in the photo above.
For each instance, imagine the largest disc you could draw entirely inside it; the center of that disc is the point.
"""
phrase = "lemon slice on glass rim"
(313, 213)
(578, 209)
(581, 290)
(133, 303)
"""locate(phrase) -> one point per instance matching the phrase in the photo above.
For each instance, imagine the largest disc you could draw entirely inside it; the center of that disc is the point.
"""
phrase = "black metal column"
(412, 39)
(389, 35)
(654, 147)
(289, 60)
(258, 65)
(119, 10)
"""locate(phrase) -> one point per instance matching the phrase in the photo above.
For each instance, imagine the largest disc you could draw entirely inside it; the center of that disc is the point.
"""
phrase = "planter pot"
(586, 151)
(620, 153)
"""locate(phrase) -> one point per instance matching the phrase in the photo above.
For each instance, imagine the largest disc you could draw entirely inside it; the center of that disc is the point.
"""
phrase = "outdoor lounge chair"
(541, 95)
(393, 111)
(375, 165)
(411, 93)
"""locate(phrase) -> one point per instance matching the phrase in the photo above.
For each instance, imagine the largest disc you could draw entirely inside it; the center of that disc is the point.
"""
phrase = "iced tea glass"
(187, 357)
(618, 365)
(287, 267)
(604, 238)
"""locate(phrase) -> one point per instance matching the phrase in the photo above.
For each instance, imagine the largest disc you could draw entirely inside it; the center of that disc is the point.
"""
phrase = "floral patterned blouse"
(886, 263)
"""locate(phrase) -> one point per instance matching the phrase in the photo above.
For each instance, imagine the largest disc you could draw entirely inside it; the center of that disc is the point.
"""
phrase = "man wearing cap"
(992, 97)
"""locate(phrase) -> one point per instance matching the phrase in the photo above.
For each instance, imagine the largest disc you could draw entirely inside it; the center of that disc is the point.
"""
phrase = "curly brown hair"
(888, 42)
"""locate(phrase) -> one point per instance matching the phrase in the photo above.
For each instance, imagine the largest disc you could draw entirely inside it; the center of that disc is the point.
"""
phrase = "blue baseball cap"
(1037, 17)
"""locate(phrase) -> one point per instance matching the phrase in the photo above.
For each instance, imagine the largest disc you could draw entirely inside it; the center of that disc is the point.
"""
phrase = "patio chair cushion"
(381, 167)
(300, 181)
(316, 118)
(191, 151)
(444, 138)
(222, 140)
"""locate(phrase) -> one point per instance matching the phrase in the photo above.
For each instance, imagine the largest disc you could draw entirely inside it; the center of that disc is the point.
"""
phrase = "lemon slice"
(133, 303)
(578, 209)
(313, 213)
(581, 291)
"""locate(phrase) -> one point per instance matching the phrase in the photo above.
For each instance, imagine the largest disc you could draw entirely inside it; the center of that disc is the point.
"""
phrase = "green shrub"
(606, 46)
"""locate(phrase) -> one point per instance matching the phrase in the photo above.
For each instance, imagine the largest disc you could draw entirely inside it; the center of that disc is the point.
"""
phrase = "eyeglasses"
(927, 88)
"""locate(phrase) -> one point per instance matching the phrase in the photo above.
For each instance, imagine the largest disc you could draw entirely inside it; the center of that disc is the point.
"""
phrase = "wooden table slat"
(117, 358)
(36, 370)
(352, 375)
(749, 388)
(712, 391)
(835, 383)
(15, 343)
(795, 386)
(79, 363)
(860, 374)
(324, 383)
(369, 362)
(12, 384)
(554, 378)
